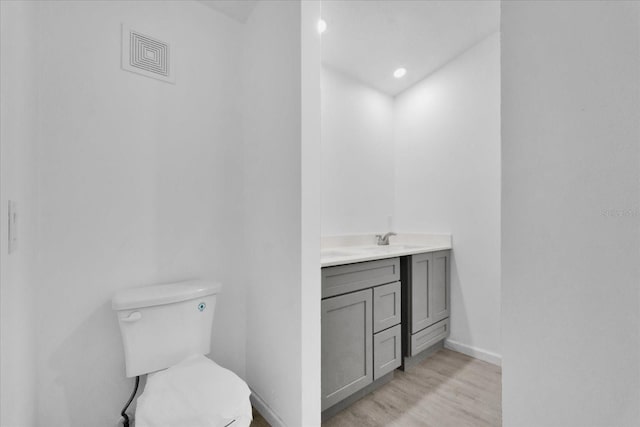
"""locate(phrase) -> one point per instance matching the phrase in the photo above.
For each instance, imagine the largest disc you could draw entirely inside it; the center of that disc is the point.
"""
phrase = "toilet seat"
(194, 393)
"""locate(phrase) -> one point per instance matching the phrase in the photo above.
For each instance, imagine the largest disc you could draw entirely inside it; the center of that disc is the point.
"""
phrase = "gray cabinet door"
(429, 289)
(420, 283)
(387, 351)
(386, 306)
(347, 347)
(439, 290)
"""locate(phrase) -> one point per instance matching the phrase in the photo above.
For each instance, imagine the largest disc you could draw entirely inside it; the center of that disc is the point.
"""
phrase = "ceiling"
(235, 9)
(369, 39)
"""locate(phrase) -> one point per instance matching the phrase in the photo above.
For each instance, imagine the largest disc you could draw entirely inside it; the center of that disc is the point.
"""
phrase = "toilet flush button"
(133, 317)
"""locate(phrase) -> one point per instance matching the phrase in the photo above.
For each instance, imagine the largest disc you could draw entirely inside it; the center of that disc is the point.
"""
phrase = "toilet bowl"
(166, 333)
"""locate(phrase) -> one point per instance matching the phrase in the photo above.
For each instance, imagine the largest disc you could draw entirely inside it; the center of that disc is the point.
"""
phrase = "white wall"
(570, 219)
(447, 180)
(18, 129)
(272, 208)
(140, 182)
(431, 158)
(311, 151)
(357, 157)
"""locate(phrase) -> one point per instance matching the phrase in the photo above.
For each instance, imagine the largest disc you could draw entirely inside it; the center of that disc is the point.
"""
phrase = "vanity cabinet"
(361, 326)
(426, 303)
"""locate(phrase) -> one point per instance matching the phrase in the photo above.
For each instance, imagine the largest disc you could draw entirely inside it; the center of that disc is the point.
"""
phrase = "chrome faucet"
(384, 240)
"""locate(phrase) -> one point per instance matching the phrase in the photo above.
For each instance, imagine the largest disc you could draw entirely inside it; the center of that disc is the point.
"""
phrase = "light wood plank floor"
(258, 421)
(447, 389)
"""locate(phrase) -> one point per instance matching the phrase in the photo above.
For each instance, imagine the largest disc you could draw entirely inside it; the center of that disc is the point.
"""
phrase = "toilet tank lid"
(147, 296)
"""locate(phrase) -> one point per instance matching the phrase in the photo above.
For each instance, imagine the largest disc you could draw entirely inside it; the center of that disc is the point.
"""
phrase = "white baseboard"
(266, 412)
(476, 353)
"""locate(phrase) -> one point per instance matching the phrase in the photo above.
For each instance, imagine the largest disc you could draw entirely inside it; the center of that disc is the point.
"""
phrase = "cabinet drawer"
(353, 277)
(386, 306)
(429, 336)
(387, 351)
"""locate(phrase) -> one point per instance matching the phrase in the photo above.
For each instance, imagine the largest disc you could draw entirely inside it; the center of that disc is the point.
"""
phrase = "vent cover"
(146, 55)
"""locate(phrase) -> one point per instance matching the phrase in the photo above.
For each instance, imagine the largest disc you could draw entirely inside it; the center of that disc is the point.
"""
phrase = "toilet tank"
(161, 325)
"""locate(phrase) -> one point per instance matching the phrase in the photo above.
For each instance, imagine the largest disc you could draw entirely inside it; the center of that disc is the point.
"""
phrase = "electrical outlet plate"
(13, 227)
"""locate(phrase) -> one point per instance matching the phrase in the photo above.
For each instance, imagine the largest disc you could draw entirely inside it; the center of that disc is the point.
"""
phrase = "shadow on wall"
(90, 369)
(461, 322)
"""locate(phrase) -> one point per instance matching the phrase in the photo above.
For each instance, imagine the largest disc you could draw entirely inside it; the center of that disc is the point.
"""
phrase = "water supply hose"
(125, 417)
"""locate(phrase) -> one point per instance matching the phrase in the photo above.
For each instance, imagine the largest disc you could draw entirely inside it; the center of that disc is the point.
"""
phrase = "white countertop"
(337, 250)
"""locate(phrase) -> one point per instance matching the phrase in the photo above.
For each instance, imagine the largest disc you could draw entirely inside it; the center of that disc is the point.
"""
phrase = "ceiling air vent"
(146, 55)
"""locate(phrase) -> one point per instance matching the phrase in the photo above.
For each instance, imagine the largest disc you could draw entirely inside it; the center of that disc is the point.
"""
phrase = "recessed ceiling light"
(322, 26)
(399, 73)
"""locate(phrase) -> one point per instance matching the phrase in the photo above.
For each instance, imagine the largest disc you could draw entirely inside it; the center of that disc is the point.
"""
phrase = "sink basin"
(385, 249)
(374, 249)
(365, 251)
(363, 248)
(405, 247)
(334, 253)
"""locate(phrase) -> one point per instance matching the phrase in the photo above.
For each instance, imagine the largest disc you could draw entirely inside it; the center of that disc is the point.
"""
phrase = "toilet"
(166, 333)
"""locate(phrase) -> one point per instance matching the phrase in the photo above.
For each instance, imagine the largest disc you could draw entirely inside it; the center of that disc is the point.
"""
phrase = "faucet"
(384, 240)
